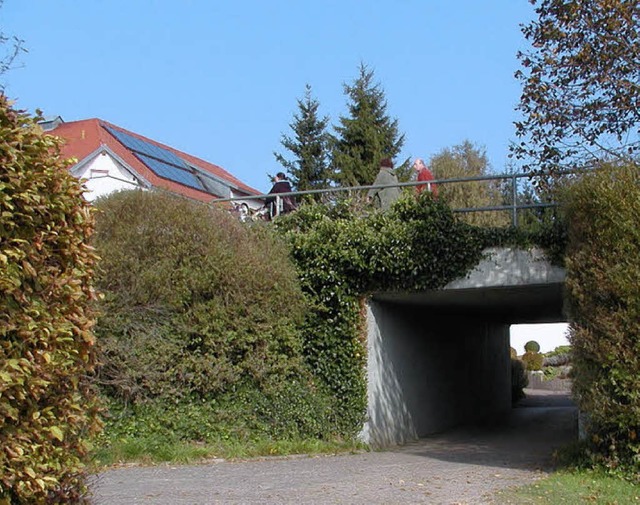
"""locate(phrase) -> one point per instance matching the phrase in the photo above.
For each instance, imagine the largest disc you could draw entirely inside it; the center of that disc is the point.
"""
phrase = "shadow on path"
(540, 424)
(465, 466)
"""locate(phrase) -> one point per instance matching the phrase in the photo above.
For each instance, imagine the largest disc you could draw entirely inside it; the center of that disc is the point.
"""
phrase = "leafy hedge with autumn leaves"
(603, 294)
(47, 407)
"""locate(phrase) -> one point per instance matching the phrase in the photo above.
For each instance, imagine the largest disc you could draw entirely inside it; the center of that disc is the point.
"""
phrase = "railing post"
(514, 198)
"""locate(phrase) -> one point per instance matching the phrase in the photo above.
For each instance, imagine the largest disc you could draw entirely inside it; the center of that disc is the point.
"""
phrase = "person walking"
(383, 198)
(424, 174)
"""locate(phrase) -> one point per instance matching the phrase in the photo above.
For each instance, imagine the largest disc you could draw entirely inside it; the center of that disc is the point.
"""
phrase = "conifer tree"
(308, 166)
(366, 135)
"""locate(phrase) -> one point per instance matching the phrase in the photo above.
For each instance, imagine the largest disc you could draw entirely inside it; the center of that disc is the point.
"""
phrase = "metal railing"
(512, 207)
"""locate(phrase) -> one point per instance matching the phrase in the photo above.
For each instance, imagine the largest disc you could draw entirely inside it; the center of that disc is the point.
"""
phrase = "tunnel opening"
(441, 359)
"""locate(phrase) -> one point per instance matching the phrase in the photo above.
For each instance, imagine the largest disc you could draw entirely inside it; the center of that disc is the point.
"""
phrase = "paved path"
(459, 467)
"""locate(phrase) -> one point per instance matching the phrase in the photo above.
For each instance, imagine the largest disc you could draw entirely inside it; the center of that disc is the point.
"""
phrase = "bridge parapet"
(510, 267)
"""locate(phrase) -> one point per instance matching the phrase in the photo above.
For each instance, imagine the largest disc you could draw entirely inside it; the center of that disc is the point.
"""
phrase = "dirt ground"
(463, 466)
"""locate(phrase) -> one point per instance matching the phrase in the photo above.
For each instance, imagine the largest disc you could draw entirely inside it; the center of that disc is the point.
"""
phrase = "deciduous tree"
(462, 161)
(10, 49)
(581, 86)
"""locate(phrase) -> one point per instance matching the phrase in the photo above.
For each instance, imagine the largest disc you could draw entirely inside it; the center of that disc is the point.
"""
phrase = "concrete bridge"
(441, 358)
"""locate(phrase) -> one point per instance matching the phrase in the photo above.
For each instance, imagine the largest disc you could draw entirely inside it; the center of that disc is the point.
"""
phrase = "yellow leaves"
(40, 370)
(14, 452)
(28, 269)
(16, 364)
(57, 433)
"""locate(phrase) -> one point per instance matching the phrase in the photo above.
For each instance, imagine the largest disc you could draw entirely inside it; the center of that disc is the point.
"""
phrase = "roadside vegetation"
(573, 487)
(48, 409)
(603, 294)
(224, 339)
(220, 339)
(199, 334)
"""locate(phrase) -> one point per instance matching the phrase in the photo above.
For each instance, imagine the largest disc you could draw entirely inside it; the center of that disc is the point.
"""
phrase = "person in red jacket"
(424, 174)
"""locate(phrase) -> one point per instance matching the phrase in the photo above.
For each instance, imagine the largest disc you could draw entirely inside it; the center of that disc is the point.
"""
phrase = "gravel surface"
(465, 466)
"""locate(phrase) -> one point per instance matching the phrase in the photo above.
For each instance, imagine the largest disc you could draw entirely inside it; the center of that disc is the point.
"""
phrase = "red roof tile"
(86, 136)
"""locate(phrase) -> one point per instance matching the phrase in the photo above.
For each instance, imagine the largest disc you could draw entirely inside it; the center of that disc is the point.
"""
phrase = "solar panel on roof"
(171, 172)
(141, 146)
(161, 161)
(213, 186)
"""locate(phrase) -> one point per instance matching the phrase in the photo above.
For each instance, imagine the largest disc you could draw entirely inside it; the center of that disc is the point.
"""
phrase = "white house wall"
(104, 175)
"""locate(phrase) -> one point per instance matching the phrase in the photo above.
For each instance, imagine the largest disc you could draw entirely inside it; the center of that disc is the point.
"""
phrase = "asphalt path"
(463, 466)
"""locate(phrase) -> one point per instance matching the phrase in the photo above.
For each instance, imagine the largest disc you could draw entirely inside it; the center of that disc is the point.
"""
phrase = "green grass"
(573, 487)
(152, 450)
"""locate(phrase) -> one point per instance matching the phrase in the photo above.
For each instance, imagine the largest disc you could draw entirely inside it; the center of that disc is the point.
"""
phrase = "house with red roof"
(110, 158)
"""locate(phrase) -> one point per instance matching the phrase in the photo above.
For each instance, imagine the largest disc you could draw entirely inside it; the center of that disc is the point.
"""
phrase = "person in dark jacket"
(283, 204)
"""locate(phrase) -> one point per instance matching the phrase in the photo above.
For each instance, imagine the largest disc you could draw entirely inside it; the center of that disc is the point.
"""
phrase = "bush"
(196, 306)
(47, 408)
(603, 287)
(280, 411)
(519, 380)
(532, 361)
(532, 346)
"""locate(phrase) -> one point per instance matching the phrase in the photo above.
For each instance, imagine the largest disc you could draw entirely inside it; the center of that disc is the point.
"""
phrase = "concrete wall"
(427, 373)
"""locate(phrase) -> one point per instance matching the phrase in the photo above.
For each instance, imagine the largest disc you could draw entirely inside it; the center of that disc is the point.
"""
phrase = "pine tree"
(366, 135)
(308, 166)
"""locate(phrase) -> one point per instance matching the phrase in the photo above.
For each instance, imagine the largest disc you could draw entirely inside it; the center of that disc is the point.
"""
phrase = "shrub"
(532, 346)
(603, 287)
(519, 380)
(196, 306)
(47, 408)
(557, 359)
(532, 361)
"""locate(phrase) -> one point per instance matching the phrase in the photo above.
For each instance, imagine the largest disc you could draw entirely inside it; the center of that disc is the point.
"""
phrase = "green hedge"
(603, 284)
(198, 306)
(47, 408)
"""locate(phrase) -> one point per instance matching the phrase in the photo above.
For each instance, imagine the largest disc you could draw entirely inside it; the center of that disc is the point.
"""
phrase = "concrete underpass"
(440, 359)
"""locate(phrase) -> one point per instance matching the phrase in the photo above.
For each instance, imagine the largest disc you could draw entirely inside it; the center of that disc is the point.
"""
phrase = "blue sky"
(220, 79)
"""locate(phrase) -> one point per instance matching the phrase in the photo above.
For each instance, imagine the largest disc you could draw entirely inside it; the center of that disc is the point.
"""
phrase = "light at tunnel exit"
(549, 336)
